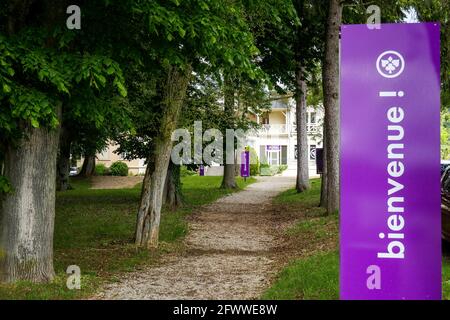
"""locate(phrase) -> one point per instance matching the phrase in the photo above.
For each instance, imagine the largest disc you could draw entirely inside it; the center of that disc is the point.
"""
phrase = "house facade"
(275, 142)
(108, 157)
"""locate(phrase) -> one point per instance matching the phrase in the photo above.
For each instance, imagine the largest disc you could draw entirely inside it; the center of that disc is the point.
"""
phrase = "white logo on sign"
(390, 64)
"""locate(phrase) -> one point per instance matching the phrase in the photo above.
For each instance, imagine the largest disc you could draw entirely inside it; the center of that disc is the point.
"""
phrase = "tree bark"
(26, 232)
(63, 161)
(1, 163)
(302, 182)
(323, 187)
(88, 168)
(229, 176)
(331, 103)
(172, 195)
(149, 213)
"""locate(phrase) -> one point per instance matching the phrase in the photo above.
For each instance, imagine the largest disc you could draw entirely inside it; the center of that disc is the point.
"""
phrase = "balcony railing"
(273, 129)
(310, 128)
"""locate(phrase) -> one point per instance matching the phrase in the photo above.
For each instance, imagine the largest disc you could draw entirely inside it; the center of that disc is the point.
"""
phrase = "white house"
(276, 141)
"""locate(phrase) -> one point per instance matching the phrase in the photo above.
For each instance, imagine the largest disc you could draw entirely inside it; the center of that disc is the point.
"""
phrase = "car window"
(446, 181)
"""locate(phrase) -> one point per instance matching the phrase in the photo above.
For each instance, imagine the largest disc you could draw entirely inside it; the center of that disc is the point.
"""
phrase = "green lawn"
(317, 275)
(94, 230)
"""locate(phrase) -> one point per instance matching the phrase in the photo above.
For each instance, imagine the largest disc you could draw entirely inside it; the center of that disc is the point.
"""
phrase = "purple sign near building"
(245, 164)
(390, 154)
(273, 148)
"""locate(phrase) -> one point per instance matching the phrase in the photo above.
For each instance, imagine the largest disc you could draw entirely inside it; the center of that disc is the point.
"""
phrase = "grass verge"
(94, 230)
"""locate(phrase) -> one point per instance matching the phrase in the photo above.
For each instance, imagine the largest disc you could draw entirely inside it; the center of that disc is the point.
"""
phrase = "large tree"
(184, 35)
(337, 12)
(290, 38)
(308, 50)
(39, 71)
(331, 102)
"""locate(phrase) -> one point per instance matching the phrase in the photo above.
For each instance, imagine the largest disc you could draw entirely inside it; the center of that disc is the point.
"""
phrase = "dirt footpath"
(229, 252)
(112, 182)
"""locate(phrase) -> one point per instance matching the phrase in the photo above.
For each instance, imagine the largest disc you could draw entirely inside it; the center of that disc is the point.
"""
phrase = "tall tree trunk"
(331, 102)
(323, 187)
(229, 175)
(88, 168)
(26, 231)
(63, 161)
(2, 159)
(172, 195)
(149, 213)
(302, 183)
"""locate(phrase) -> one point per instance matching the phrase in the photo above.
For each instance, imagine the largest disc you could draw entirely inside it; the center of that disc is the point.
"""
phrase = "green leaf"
(182, 32)
(6, 88)
(110, 70)
(35, 123)
(5, 186)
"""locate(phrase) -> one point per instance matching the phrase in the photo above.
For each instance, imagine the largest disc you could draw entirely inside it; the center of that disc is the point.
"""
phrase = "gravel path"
(230, 249)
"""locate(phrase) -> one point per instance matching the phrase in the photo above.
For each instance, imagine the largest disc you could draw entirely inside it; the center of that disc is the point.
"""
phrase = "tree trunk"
(88, 168)
(1, 163)
(323, 187)
(237, 166)
(229, 176)
(26, 232)
(63, 161)
(149, 213)
(302, 183)
(172, 195)
(331, 103)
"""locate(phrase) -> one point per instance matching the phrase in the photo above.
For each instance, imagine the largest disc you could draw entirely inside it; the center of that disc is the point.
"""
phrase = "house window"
(312, 118)
(273, 157)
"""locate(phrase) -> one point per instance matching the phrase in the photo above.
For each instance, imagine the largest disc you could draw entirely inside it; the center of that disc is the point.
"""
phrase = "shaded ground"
(94, 230)
(112, 182)
(230, 251)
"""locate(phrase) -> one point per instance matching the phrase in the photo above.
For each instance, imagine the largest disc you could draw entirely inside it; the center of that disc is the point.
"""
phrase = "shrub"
(269, 170)
(254, 163)
(119, 168)
(101, 170)
(185, 172)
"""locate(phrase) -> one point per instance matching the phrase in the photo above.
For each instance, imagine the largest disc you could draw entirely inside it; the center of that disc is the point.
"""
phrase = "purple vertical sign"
(245, 164)
(390, 154)
(202, 170)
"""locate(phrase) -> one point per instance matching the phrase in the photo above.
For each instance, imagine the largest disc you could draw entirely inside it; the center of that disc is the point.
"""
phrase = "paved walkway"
(229, 252)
